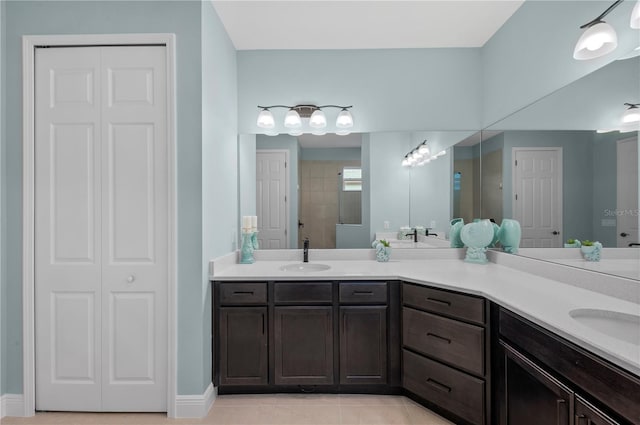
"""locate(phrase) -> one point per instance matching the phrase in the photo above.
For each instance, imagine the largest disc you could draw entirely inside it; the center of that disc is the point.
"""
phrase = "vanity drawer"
(303, 292)
(455, 305)
(363, 292)
(243, 293)
(445, 387)
(456, 343)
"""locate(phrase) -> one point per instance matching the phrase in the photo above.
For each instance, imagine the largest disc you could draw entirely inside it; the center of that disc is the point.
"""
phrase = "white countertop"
(542, 300)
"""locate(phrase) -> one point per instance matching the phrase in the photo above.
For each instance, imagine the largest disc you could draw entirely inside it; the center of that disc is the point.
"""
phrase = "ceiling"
(362, 24)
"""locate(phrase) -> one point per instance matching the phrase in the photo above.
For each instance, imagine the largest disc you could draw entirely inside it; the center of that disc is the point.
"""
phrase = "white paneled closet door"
(101, 229)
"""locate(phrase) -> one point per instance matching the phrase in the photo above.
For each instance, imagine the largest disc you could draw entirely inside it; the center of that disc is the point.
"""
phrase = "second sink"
(622, 326)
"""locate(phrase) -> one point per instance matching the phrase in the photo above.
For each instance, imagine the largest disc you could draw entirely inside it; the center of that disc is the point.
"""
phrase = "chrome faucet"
(305, 250)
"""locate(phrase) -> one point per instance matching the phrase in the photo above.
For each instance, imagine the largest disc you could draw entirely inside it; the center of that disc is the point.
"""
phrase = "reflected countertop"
(510, 281)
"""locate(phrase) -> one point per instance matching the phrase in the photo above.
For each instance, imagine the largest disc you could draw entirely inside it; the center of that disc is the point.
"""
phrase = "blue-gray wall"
(219, 194)
(211, 143)
(531, 55)
(390, 90)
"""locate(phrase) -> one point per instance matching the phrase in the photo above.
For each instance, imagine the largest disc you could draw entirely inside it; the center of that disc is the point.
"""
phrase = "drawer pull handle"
(441, 338)
(437, 301)
(438, 385)
(242, 292)
(560, 403)
(362, 292)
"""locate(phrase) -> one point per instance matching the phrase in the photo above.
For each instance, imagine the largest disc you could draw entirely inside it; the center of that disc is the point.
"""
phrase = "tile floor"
(275, 409)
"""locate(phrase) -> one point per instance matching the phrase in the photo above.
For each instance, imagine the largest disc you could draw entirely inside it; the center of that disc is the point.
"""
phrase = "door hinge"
(285, 232)
(516, 162)
(285, 164)
(516, 196)
(285, 198)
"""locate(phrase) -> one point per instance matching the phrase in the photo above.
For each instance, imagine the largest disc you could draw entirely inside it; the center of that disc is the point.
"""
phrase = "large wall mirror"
(556, 168)
(339, 191)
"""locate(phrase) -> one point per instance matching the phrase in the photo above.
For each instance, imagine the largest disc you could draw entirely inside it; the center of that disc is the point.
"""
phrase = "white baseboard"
(187, 406)
(11, 405)
(195, 406)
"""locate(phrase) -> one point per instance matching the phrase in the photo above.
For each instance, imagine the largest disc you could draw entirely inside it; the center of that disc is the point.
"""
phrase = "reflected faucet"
(414, 234)
(305, 250)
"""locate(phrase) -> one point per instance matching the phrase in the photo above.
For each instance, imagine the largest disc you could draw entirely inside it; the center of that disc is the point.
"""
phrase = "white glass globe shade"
(405, 162)
(631, 115)
(318, 119)
(344, 120)
(597, 40)
(292, 119)
(424, 149)
(343, 132)
(265, 119)
(635, 16)
(295, 132)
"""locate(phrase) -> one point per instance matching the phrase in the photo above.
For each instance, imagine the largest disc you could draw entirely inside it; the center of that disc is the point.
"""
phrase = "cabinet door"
(243, 346)
(303, 338)
(587, 414)
(532, 396)
(363, 345)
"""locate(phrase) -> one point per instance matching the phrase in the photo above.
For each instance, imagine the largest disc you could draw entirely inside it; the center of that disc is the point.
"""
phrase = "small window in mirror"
(352, 179)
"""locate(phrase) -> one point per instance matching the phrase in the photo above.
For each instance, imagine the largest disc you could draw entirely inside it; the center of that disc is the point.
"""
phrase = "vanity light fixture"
(312, 115)
(420, 156)
(598, 38)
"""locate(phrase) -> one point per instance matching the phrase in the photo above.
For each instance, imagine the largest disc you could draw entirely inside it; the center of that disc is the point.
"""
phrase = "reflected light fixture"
(420, 156)
(631, 118)
(311, 115)
(598, 38)
(635, 16)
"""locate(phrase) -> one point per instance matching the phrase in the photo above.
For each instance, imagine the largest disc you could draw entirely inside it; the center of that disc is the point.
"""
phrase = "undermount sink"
(622, 326)
(305, 267)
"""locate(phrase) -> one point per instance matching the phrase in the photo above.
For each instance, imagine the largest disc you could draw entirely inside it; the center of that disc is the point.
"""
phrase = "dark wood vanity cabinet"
(534, 397)
(307, 335)
(445, 352)
(242, 334)
(543, 379)
(363, 332)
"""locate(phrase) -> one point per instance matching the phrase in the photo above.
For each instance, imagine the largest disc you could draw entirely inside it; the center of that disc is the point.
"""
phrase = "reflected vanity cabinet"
(307, 336)
(446, 352)
(544, 379)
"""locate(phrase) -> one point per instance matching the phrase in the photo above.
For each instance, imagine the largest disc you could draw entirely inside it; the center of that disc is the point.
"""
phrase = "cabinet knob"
(131, 279)
(624, 235)
(555, 232)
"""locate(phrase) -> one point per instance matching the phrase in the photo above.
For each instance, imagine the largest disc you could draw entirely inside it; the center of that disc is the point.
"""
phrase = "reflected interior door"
(537, 197)
(272, 198)
(101, 228)
(627, 215)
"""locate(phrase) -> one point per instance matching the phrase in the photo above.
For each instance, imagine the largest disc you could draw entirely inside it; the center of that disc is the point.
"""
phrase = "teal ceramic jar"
(509, 235)
(454, 233)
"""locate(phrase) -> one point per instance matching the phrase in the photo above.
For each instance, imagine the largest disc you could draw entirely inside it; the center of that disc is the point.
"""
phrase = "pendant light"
(344, 120)
(598, 38)
(265, 119)
(318, 119)
(292, 119)
(631, 118)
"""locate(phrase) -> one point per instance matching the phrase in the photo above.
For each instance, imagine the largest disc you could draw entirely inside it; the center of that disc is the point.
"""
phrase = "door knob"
(624, 235)
(131, 279)
(555, 232)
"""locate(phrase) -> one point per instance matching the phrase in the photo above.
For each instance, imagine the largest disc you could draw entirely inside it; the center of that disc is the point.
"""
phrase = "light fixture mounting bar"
(602, 15)
(632, 105)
